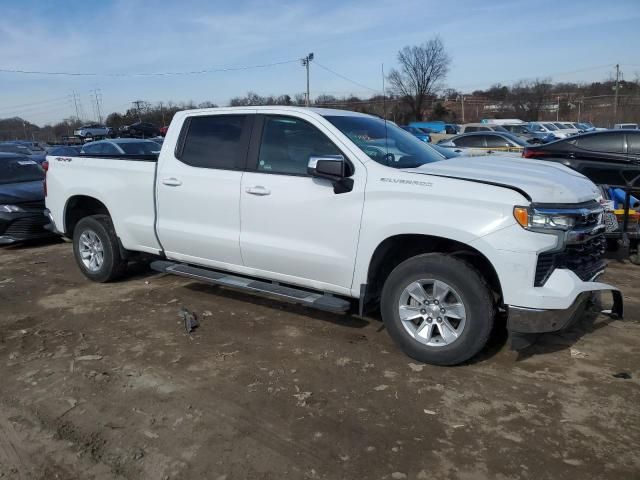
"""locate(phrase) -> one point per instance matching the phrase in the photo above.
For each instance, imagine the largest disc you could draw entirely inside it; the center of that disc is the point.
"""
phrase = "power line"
(14, 107)
(146, 74)
(344, 78)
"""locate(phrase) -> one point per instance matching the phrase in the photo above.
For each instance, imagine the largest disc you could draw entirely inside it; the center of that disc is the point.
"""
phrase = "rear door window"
(633, 143)
(496, 141)
(216, 141)
(473, 141)
(602, 142)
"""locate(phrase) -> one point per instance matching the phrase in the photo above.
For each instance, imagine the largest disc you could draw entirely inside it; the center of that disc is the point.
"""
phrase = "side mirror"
(331, 167)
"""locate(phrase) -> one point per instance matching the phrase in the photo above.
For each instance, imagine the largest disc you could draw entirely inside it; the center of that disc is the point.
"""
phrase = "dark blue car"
(21, 199)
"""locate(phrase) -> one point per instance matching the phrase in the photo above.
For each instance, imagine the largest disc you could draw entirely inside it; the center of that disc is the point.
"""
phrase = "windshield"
(413, 130)
(550, 126)
(16, 170)
(390, 146)
(140, 148)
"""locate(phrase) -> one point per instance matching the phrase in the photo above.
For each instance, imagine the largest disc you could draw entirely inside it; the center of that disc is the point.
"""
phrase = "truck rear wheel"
(96, 249)
(437, 308)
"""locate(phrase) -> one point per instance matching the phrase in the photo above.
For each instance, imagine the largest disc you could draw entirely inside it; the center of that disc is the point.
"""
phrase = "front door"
(294, 227)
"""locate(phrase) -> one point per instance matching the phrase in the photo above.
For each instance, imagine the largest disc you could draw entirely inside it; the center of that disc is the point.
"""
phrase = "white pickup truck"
(334, 209)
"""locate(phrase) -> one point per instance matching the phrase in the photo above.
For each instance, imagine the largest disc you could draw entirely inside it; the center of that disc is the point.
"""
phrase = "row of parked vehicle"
(138, 129)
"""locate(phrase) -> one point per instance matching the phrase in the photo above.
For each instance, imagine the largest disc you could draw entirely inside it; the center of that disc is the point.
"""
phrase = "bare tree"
(422, 69)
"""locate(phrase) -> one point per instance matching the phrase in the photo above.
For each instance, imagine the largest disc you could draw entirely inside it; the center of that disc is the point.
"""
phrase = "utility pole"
(305, 63)
(462, 101)
(75, 101)
(558, 111)
(162, 113)
(580, 107)
(97, 98)
(615, 101)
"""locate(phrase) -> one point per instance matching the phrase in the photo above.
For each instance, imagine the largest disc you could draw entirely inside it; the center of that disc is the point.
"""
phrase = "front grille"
(28, 227)
(584, 259)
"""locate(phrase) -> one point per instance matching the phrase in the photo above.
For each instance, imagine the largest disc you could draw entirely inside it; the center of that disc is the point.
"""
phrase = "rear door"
(295, 228)
(198, 190)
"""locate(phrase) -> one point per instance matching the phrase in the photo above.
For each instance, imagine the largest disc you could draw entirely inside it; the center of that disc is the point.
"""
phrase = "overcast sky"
(489, 42)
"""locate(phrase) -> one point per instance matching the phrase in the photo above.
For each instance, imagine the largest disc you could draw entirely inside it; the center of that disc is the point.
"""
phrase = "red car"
(163, 130)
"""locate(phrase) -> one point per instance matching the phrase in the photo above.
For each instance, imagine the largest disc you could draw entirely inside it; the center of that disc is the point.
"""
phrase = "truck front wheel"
(96, 249)
(437, 308)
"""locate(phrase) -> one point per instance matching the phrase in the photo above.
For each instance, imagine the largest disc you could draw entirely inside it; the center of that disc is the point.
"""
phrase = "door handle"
(258, 190)
(171, 182)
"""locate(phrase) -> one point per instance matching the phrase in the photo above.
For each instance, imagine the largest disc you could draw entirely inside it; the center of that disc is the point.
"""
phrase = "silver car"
(94, 130)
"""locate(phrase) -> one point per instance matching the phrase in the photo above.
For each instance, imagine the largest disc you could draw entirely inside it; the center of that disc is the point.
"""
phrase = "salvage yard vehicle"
(121, 146)
(94, 130)
(485, 143)
(327, 208)
(21, 200)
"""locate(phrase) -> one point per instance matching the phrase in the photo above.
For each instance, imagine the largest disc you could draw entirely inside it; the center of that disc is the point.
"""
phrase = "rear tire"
(448, 285)
(97, 250)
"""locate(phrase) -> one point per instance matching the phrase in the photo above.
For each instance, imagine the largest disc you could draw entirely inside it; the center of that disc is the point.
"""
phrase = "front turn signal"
(521, 215)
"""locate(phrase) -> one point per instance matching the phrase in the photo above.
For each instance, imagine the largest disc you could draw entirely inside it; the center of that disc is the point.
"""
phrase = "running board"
(320, 301)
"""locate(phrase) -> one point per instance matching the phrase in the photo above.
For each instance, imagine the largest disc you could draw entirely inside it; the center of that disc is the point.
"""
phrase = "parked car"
(164, 130)
(121, 146)
(566, 128)
(21, 199)
(626, 126)
(436, 127)
(416, 132)
(522, 131)
(546, 128)
(94, 130)
(485, 142)
(140, 129)
(481, 127)
(12, 147)
(62, 150)
(611, 157)
(332, 208)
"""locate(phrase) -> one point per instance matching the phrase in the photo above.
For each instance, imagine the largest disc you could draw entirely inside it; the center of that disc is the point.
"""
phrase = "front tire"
(96, 249)
(438, 309)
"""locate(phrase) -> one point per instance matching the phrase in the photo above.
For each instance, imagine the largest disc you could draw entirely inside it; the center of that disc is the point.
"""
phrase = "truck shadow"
(590, 321)
(274, 304)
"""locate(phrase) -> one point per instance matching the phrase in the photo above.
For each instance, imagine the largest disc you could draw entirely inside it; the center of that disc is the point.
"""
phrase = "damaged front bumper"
(523, 322)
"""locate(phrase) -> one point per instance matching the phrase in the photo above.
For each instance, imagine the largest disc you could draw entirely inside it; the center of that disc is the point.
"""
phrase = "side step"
(320, 301)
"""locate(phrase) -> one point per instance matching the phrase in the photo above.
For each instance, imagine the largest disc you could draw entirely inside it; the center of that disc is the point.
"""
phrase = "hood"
(16, 193)
(542, 181)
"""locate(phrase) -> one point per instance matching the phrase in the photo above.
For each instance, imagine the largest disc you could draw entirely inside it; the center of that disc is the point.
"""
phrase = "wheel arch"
(79, 206)
(395, 249)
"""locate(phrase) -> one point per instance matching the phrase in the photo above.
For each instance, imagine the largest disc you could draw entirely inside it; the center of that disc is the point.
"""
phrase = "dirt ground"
(101, 382)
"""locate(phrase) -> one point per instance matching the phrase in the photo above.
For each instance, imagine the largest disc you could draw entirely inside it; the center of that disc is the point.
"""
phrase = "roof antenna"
(384, 113)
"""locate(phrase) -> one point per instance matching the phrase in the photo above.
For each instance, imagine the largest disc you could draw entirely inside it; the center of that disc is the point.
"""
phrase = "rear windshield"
(14, 148)
(17, 170)
(140, 148)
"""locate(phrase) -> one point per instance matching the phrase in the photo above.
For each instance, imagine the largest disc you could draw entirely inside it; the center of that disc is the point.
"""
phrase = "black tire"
(470, 286)
(113, 265)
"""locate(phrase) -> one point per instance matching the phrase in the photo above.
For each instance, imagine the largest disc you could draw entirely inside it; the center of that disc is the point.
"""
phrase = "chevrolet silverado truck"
(339, 210)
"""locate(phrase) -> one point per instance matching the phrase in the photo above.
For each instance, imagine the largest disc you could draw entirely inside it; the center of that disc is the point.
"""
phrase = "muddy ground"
(102, 382)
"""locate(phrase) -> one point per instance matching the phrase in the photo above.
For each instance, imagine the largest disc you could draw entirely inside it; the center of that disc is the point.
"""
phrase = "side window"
(471, 141)
(602, 142)
(217, 141)
(495, 141)
(471, 129)
(287, 144)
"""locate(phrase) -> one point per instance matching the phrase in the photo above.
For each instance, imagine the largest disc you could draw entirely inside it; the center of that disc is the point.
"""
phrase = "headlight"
(10, 208)
(533, 219)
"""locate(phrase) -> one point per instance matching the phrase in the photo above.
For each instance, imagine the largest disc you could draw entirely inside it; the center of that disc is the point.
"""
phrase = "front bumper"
(523, 320)
(18, 227)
